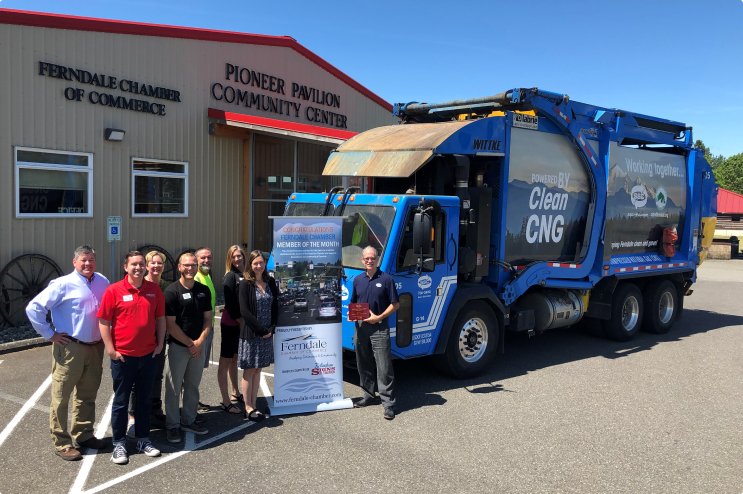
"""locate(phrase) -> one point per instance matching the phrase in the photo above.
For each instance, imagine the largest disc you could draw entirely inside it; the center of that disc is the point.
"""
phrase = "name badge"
(128, 298)
(186, 296)
(379, 285)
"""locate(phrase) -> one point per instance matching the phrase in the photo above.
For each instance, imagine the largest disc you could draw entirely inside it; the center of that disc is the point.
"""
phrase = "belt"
(83, 342)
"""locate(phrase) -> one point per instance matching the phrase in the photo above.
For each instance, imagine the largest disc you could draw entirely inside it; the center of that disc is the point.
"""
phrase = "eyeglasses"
(189, 265)
(368, 259)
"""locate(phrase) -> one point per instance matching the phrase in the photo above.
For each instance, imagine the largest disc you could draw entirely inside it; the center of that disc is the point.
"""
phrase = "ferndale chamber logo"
(303, 343)
(639, 196)
(424, 282)
(660, 198)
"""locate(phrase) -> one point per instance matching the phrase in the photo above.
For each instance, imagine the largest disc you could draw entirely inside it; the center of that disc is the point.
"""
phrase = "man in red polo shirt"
(132, 322)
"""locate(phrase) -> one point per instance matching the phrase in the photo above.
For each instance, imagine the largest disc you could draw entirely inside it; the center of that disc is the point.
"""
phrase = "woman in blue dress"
(259, 309)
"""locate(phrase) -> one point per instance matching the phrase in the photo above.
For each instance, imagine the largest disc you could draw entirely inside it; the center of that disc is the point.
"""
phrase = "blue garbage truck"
(522, 211)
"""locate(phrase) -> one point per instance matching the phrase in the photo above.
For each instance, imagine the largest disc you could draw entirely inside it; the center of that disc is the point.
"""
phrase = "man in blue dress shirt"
(373, 347)
(77, 350)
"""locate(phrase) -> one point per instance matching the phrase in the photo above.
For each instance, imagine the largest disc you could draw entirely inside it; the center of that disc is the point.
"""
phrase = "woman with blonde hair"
(230, 326)
(259, 308)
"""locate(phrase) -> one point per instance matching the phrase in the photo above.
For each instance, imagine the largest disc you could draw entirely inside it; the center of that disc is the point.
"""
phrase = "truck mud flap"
(599, 303)
(465, 293)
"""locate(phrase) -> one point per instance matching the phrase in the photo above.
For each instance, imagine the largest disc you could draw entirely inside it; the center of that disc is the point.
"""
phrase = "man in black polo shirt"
(373, 347)
(188, 319)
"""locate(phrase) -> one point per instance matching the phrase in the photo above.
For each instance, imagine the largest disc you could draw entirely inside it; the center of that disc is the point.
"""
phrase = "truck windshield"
(365, 226)
(307, 209)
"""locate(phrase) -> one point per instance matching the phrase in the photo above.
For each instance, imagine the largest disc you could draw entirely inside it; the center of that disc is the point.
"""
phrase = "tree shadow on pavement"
(418, 380)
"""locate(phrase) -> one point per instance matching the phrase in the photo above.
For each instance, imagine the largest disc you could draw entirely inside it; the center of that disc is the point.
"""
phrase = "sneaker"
(174, 436)
(200, 418)
(147, 448)
(364, 402)
(195, 428)
(203, 407)
(389, 413)
(119, 456)
(68, 454)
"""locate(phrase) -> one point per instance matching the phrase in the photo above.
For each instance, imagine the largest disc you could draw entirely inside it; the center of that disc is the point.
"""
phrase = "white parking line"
(92, 454)
(264, 387)
(15, 399)
(25, 408)
(168, 458)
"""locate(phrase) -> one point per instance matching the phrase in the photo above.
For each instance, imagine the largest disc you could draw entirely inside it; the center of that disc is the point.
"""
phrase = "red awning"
(729, 202)
(284, 127)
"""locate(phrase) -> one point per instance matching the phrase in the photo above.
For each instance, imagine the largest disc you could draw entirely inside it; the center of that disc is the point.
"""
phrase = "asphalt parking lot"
(561, 412)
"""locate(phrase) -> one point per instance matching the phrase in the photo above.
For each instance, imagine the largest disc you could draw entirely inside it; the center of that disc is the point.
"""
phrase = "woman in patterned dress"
(259, 308)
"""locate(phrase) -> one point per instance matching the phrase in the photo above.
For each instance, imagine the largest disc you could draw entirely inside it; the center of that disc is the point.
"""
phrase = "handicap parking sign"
(114, 228)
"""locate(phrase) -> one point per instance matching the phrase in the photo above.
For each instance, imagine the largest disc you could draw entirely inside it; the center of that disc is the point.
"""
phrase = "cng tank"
(553, 308)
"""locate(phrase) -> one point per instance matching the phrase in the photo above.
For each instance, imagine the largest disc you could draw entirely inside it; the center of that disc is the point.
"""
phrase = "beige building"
(193, 137)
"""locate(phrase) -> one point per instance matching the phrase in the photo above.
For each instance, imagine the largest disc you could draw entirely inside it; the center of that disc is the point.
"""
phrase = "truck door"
(428, 293)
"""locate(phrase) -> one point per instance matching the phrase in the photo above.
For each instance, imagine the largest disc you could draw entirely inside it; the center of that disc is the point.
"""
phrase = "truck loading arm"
(560, 110)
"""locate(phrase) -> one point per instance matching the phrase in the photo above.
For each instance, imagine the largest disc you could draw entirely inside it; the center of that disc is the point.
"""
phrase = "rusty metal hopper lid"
(391, 151)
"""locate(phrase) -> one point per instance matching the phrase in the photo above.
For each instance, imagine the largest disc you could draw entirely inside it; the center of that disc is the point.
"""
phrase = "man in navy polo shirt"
(373, 347)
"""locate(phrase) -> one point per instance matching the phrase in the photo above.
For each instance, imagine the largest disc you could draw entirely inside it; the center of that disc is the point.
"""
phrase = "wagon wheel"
(20, 281)
(169, 269)
(187, 251)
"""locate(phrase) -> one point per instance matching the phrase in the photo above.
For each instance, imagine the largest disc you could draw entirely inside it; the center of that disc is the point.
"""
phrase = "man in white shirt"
(77, 350)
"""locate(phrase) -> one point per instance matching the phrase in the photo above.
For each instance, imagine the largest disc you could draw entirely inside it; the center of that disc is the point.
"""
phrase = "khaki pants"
(75, 367)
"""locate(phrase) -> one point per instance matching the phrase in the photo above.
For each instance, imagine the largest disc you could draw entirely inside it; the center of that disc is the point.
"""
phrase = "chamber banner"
(308, 368)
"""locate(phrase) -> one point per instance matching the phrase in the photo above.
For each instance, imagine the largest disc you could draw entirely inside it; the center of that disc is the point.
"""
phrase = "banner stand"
(308, 351)
(308, 408)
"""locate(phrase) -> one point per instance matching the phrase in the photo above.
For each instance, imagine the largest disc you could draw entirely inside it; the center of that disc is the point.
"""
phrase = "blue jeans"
(139, 371)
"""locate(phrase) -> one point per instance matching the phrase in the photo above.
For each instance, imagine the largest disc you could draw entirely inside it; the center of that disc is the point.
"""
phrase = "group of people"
(131, 319)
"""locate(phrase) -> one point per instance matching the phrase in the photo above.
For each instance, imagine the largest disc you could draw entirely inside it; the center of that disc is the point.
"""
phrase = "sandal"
(229, 408)
(237, 399)
(255, 415)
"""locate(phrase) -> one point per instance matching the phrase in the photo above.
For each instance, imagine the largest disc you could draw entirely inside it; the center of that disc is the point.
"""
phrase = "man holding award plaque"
(373, 300)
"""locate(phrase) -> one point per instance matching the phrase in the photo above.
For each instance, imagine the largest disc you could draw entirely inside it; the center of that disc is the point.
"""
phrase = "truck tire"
(661, 307)
(473, 341)
(626, 313)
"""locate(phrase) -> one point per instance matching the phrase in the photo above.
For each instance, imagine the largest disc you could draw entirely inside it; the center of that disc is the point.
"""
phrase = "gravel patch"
(11, 333)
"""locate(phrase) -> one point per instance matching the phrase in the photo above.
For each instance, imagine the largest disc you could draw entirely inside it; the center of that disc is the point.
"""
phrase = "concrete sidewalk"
(721, 270)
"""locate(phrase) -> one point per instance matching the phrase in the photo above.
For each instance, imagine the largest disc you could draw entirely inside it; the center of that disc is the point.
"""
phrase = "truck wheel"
(626, 313)
(472, 342)
(661, 307)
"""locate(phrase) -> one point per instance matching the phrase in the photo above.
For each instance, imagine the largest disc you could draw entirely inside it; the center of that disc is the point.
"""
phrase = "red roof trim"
(729, 202)
(281, 124)
(58, 21)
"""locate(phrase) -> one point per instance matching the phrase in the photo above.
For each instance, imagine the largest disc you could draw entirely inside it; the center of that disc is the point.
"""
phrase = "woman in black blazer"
(259, 309)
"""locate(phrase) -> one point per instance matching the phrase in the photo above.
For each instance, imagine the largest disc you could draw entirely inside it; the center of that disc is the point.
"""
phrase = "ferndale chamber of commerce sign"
(108, 83)
(244, 84)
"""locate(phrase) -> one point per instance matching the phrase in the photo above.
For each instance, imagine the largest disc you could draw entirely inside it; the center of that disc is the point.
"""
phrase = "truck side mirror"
(422, 234)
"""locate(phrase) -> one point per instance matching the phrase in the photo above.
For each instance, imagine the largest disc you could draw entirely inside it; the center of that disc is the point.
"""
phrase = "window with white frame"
(53, 183)
(159, 188)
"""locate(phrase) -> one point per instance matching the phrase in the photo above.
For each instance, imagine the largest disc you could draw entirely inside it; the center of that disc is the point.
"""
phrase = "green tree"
(729, 174)
(714, 160)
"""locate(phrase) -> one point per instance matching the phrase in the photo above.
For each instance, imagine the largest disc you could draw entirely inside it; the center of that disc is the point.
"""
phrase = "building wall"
(35, 113)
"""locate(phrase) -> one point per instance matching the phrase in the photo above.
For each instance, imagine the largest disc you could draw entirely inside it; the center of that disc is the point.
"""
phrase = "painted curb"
(16, 346)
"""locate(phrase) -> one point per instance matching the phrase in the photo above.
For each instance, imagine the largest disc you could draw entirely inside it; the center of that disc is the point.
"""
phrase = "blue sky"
(679, 60)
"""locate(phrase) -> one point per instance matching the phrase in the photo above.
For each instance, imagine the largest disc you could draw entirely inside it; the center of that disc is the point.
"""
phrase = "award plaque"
(358, 312)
